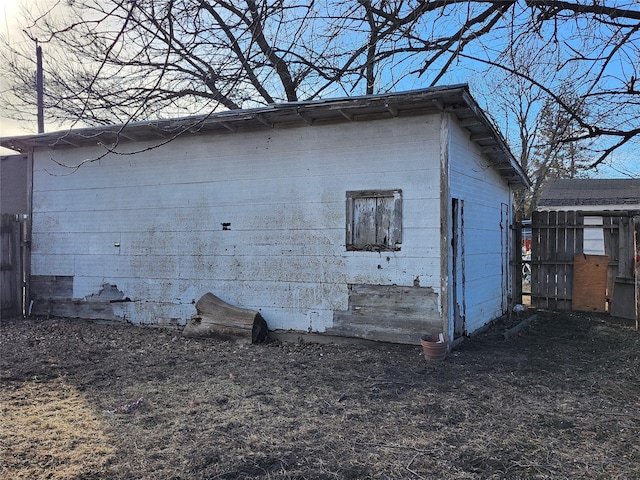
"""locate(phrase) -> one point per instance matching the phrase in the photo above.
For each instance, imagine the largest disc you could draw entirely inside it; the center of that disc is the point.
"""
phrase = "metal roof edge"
(39, 139)
(331, 109)
(502, 143)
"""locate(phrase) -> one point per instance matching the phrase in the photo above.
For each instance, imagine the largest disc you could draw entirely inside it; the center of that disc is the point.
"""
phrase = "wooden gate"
(13, 267)
(557, 237)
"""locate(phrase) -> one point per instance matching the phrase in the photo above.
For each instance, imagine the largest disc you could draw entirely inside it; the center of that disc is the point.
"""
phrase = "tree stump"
(216, 318)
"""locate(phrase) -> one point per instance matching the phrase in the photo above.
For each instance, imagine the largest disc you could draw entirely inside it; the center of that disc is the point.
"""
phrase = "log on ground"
(216, 318)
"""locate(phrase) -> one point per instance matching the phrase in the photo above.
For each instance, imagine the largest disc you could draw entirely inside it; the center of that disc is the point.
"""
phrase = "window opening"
(374, 220)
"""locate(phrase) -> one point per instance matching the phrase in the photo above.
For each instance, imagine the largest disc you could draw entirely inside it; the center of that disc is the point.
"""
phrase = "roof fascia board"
(267, 116)
(302, 113)
(501, 147)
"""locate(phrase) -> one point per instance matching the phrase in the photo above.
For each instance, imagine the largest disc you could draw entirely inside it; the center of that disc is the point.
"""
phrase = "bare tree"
(556, 151)
(122, 60)
(593, 48)
(543, 134)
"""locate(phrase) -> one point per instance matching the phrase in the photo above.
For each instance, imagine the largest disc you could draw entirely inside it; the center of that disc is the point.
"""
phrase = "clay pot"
(433, 349)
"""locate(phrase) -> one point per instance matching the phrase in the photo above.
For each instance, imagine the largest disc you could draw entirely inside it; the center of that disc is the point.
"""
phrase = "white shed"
(381, 217)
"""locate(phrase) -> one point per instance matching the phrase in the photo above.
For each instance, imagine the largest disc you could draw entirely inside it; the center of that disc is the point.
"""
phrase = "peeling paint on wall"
(108, 293)
(53, 296)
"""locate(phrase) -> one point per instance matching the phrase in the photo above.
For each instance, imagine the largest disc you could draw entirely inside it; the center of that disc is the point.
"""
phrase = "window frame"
(394, 230)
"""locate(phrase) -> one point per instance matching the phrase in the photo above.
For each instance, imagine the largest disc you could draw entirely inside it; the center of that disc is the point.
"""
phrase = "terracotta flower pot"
(433, 349)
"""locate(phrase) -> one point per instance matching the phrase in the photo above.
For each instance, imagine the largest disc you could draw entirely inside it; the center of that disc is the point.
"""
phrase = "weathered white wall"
(474, 181)
(151, 223)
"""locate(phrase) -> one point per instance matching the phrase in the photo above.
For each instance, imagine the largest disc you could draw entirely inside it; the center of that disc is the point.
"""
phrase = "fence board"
(552, 258)
(561, 254)
(625, 246)
(10, 266)
(571, 247)
(611, 248)
(537, 220)
(621, 275)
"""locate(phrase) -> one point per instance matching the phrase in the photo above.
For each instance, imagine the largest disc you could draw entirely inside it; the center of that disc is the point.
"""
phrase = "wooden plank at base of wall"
(590, 283)
(388, 313)
(51, 287)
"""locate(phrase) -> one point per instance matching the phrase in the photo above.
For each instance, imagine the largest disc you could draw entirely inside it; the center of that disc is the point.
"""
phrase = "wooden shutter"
(374, 220)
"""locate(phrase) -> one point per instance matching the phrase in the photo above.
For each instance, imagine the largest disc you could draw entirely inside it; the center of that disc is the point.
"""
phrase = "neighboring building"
(381, 217)
(591, 195)
(13, 184)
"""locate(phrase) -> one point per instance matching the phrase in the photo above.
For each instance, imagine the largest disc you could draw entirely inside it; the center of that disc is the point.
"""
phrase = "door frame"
(458, 283)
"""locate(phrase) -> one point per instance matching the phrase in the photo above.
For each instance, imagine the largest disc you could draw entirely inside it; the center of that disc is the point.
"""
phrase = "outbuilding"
(381, 217)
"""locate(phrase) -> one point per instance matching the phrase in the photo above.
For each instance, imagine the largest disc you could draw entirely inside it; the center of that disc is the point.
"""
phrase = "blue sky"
(625, 162)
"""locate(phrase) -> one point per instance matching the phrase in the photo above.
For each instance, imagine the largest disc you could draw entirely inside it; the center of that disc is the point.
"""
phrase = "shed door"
(457, 267)
(505, 253)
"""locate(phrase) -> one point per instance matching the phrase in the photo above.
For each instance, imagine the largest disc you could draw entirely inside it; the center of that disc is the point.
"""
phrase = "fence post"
(516, 262)
(25, 263)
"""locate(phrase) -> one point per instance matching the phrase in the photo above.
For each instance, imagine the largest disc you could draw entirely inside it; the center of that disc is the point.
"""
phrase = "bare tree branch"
(114, 61)
(552, 7)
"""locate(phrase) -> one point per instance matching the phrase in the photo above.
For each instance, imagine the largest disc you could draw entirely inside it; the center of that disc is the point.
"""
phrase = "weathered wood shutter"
(364, 221)
(374, 220)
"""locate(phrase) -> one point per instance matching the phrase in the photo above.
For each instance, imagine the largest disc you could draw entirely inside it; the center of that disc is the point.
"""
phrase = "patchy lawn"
(82, 400)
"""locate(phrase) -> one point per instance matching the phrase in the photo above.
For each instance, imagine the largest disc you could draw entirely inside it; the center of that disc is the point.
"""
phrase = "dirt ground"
(82, 400)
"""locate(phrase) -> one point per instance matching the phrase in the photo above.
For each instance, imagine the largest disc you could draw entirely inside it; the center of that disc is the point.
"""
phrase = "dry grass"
(560, 401)
(49, 431)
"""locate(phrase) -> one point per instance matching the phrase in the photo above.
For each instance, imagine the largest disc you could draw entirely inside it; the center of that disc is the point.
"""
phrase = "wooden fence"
(562, 274)
(14, 261)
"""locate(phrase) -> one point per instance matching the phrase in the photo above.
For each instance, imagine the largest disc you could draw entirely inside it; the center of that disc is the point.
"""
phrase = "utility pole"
(40, 87)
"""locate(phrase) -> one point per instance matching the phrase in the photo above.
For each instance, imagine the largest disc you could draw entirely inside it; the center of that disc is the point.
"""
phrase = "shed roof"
(590, 191)
(455, 98)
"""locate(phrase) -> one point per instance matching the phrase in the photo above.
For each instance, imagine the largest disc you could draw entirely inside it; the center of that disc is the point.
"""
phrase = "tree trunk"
(216, 318)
